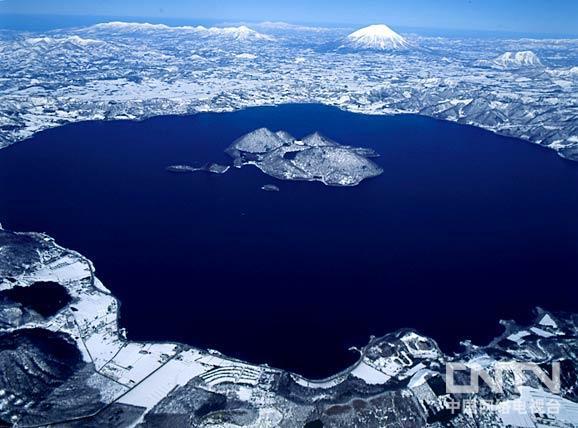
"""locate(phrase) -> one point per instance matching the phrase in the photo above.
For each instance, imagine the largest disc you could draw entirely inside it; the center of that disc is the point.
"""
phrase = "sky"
(525, 16)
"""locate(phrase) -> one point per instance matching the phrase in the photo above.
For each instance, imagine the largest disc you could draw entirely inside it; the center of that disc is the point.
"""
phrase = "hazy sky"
(529, 16)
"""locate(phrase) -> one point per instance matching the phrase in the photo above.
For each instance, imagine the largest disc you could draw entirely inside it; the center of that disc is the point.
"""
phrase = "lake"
(462, 229)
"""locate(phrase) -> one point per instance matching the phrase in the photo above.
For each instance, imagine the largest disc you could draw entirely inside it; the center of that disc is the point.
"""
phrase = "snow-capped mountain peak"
(518, 59)
(130, 26)
(376, 37)
(52, 41)
(241, 33)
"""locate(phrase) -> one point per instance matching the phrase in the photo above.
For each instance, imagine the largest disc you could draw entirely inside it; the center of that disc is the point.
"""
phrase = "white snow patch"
(246, 56)
(547, 319)
(518, 337)
(370, 375)
(176, 372)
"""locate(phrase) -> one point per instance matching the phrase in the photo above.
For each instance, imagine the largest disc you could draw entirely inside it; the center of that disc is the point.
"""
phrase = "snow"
(232, 372)
(155, 387)
(518, 337)
(245, 56)
(143, 374)
(241, 33)
(74, 39)
(244, 393)
(518, 59)
(133, 26)
(540, 332)
(370, 375)
(100, 286)
(63, 270)
(393, 365)
(548, 321)
(377, 37)
(289, 27)
(518, 412)
(81, 41)
(102, 346)
(317, 384)
(181, 70)
(419, 378)
(36, 40)
(109, 390)
(135, 361)
(419, 346)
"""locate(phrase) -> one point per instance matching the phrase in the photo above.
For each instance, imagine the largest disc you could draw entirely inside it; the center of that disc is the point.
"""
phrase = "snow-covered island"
(315, 158)
(280, 155)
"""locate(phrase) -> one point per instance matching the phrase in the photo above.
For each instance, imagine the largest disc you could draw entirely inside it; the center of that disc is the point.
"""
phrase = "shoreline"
(399, 363)
(347, 109)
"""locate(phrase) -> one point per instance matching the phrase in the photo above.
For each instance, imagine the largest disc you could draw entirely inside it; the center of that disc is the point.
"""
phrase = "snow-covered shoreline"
(107, 73)
(137, 380)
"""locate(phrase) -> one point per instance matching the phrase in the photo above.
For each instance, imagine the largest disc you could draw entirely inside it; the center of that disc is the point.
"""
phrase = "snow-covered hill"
(73, 40)
(126, 70)
(518, 59)
(241, 33)
(379, 37)
(522, 59)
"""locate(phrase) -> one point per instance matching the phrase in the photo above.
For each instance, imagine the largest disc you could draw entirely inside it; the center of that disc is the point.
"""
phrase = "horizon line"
(329, 24)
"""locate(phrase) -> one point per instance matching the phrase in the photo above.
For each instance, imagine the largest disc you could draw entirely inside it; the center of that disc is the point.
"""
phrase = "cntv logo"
(518, 376)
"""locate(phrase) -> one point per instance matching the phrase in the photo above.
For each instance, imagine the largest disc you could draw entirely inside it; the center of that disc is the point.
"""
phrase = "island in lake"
(314, 158)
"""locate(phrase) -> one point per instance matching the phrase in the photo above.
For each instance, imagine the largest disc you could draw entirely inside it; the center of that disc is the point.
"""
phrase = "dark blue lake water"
(463, 228)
